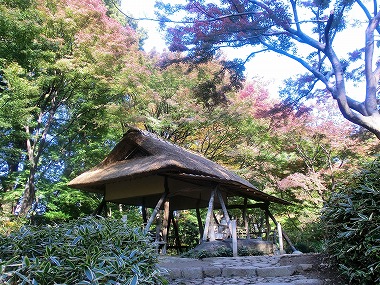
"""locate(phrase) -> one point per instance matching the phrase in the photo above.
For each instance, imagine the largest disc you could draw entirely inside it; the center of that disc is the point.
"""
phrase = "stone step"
(195, 272)
(259, 270)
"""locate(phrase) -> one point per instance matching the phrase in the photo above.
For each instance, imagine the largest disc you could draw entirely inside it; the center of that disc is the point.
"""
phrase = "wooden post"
(267, 224)
(158, 230)
(234, 238)
(100, 208)
(209, 215)
(211, 231)
(224, 208)
(283, 233)
(175, 227)
(156, 209)
(246, 225)
(165, 225)
(280, 241)
(143, 212)
(199, 219)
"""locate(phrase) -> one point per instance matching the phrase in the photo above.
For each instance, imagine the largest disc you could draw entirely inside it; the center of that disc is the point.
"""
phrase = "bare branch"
(315, 72)
(213, 19)
(327, 30)
(295, 13)
(371, 80)
(367, 13)
(357, 106)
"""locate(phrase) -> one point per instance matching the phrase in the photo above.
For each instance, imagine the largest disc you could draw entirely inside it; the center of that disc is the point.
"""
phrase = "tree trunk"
(34, 150)
(29, 195)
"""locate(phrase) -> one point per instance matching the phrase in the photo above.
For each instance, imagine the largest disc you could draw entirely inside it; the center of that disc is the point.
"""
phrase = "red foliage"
(93, 29)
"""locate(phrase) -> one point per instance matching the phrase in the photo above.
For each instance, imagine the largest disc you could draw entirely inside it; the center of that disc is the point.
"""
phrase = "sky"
(257, 67)
(271, 67)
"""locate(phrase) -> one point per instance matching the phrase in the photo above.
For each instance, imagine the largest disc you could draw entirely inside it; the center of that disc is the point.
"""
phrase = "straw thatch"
(142, 166)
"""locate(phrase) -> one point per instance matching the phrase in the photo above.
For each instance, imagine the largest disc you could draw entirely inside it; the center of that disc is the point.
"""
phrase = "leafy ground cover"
(85, 251)
(353, 227)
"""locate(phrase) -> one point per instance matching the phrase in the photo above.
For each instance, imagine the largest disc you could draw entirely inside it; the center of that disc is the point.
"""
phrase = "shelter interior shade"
(133, 188)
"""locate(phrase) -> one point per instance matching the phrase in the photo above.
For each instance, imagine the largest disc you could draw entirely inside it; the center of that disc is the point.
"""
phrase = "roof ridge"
(159, 138)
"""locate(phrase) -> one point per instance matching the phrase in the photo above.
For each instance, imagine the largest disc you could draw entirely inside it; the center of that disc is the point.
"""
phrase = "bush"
(352, 218)
(218, 252)
(221, 252)
(85, 251)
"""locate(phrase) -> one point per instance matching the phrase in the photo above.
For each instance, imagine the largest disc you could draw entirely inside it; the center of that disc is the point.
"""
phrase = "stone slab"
(308, 282)
(304, 267)
(211, 271)
(239, 271)
(192, 273)
(279, 271)
(174, 273)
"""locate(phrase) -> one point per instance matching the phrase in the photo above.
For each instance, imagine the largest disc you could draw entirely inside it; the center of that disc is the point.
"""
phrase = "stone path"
(259, 270)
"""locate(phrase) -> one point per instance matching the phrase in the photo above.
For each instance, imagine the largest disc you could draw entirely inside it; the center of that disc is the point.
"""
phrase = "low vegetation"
(85, 251)
(222, 252)
(352, 219)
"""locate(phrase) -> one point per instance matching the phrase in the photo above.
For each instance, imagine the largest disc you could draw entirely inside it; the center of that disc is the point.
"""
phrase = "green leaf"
(46, 267)
(76, 240)
(84, 282)
(89, 274)
(26, 261)
(54, 260)
(134, 280)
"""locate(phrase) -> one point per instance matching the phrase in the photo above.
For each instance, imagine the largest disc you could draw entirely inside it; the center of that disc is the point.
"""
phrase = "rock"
(304, 267)
(276, 271)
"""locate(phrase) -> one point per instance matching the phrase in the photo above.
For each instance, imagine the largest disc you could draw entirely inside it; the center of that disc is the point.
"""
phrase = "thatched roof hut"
(142, 166)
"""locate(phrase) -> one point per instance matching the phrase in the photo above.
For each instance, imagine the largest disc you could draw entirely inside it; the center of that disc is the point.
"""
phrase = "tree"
(300, 30)
(59, 62)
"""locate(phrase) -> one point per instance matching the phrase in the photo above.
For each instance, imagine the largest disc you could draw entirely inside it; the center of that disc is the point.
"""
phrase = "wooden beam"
(165, 225)
(102, 205)
(143, 212)
(156, 209)
(234, 238)
(158, 230)
(267, 224)
(283, 233)
(249, 206)
(246, 225)
(280, 241)
(208, 216)
(199, 219)
(176, 233)
(227, 217)
(225, 212)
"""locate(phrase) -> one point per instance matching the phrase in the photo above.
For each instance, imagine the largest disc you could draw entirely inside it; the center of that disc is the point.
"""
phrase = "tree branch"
(315, 72)
(327, 30)
(295, 13)
(371, 79)
(367, 13)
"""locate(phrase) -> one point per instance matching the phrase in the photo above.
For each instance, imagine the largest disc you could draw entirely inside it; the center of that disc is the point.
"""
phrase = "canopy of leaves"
(58, 62)
(304, 31)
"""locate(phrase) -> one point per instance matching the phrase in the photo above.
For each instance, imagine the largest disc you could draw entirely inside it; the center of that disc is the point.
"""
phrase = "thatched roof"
(150, 165)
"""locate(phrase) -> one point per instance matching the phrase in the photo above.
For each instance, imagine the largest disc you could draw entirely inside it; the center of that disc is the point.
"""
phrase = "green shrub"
(248, 251)
(352, 218)
(217, 252)
(221, 252)
(8, 225)
(85, 251)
